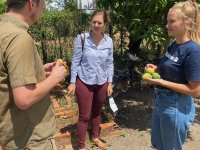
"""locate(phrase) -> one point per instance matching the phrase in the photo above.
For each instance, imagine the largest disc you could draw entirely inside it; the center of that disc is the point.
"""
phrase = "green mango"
(155, 76)
(149, 70)
(146, 76)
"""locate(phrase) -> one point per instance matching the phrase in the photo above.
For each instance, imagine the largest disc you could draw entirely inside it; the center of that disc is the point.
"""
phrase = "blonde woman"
(180, 72)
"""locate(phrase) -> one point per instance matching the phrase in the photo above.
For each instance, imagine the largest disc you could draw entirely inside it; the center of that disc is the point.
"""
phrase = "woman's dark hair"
(17, 4)
(101, 12)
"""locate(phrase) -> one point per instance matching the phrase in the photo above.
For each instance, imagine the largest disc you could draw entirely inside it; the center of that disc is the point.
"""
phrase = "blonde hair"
(189, 11)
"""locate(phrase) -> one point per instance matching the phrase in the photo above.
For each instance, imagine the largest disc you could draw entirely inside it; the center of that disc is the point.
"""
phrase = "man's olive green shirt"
(20, 65)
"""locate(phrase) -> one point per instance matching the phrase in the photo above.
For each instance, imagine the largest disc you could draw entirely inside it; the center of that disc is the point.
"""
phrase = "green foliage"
(54, 34)
(145, 20)
(70, 5)
(2, 6)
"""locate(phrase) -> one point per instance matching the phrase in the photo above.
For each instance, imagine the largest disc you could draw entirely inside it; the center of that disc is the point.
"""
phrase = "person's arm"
(109, 89)
(110, 70)
(27, 95)
(77, 55)
(192, 88)
(26, 72)
(192, 74)
(110, 65)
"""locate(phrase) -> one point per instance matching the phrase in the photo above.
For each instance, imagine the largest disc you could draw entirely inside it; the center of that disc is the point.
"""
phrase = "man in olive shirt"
(26, 114)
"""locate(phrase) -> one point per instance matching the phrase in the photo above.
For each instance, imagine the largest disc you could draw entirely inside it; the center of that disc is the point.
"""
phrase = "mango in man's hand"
(61, 62)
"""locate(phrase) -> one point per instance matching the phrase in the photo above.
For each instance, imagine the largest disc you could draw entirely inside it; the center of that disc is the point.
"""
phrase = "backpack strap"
(82, 40)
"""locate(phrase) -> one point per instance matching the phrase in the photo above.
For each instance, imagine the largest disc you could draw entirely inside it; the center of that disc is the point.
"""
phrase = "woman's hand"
(71, 89)
(109, 89)
(155, 81)
(154, 67)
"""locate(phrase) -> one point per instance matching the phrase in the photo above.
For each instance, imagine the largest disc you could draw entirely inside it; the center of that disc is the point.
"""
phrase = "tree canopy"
(145, 20)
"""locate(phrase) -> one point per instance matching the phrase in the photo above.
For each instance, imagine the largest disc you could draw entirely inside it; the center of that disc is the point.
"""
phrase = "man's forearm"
(28, 95)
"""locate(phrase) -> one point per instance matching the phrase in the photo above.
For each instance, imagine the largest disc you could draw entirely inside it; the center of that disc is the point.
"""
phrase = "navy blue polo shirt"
(181, 62)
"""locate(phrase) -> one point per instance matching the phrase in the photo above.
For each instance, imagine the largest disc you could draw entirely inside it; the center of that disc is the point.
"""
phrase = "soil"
(134, 120)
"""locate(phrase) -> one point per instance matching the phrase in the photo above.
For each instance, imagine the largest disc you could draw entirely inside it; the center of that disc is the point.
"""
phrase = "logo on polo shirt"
(173, 58)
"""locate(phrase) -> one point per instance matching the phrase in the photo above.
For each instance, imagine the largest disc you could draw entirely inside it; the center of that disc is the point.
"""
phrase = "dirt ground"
(134, 120)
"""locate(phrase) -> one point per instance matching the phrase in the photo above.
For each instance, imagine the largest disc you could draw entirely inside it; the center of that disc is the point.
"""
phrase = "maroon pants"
(90, 100)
